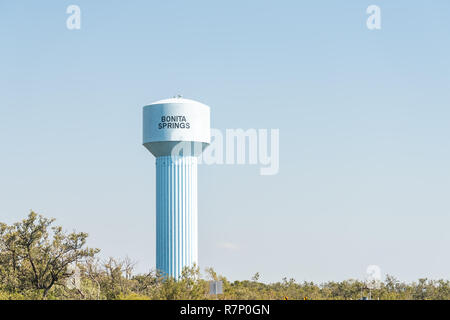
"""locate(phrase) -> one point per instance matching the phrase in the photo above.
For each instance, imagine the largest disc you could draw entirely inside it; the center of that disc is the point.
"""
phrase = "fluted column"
(176, 214)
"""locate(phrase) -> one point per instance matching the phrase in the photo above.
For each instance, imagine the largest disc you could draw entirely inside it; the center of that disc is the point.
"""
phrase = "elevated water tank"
(176, 131)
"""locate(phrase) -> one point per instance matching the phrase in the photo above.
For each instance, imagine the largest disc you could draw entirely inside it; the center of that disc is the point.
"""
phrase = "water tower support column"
(176, 213)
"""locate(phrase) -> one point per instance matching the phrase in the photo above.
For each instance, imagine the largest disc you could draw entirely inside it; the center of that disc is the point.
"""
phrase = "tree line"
(40, 261)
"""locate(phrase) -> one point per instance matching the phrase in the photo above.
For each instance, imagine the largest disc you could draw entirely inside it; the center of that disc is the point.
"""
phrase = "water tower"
(176, 131)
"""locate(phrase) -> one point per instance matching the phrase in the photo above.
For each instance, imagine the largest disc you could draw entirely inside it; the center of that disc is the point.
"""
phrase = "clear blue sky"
(363, 116)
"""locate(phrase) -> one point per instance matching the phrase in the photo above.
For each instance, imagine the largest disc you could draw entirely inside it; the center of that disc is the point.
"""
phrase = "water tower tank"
(176, 131)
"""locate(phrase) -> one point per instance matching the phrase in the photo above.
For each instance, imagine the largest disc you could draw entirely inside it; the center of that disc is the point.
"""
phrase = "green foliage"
(35, 258)
(34, 255)
(133, 296)
(189, 287)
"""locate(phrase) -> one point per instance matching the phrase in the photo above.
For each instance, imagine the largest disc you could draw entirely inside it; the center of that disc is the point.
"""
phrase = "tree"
(38, 255)
(256, 277)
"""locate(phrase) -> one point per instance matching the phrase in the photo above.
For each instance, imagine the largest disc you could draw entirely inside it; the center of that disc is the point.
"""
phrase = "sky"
(363, 117)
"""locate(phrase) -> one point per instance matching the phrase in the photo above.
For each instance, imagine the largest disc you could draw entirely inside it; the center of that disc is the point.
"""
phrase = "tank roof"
(177, 100)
